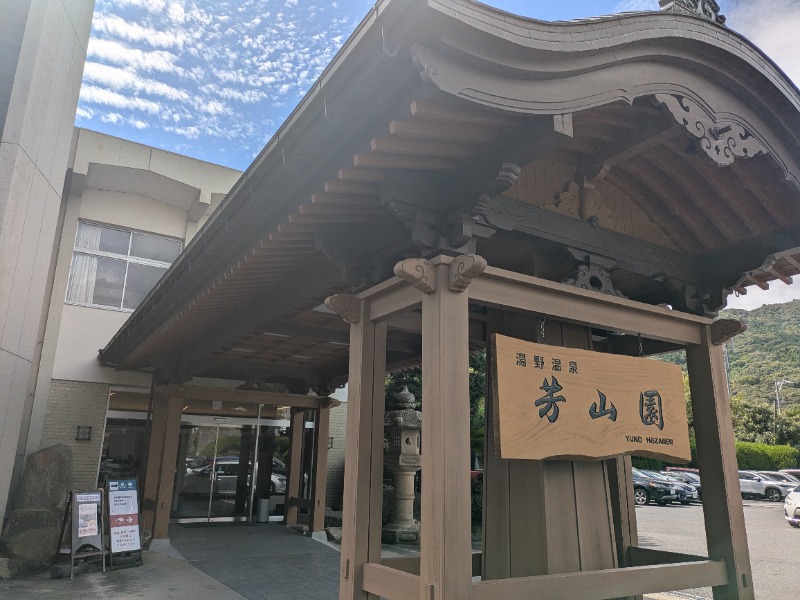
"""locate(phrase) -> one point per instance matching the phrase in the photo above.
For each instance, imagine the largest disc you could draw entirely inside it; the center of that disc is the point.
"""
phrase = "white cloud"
(176, 13)
(778, 293)
(153, 6)
(121, 79)
(206, 71)
(137, 124)
(120, 54)
(635, 5)
(97, 95)
(84, 112)
(115, 26)
(111, 118)
(773, 26)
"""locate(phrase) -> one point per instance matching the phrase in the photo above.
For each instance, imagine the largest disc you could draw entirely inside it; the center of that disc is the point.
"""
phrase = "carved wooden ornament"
(464, 269)
(345, 305)
(722, 142)
(419, 272)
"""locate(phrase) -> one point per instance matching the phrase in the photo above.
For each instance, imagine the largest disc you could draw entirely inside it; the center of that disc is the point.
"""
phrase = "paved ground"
(774, 546)
(270, 562)
(261, 562)
(162, 578)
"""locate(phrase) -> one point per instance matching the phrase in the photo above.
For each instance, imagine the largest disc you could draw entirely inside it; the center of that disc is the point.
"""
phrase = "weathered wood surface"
(361, 521)
(716, 456)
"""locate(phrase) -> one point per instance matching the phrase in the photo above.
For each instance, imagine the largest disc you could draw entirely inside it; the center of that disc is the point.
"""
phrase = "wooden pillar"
(169, 456)
(155, 447)
(716, 457)
(363, 471)
(445, 548)
(294, 477)
(319, 486)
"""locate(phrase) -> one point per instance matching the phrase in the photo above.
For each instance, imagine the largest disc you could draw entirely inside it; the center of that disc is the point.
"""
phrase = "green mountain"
(768, 351)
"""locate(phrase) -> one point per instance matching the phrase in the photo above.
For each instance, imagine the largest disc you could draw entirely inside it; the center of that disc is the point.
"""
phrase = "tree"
(752, 422)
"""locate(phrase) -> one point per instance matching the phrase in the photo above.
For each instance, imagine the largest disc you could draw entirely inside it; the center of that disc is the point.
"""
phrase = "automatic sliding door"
(233, 473)
(194, 471)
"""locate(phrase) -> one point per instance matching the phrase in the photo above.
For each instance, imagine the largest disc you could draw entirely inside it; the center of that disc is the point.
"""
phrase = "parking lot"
(774, 546)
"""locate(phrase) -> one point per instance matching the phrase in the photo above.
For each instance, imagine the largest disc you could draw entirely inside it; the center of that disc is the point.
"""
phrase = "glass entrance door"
(214, 473)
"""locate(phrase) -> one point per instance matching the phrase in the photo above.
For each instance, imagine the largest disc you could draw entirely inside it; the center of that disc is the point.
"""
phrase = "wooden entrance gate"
(543, 538)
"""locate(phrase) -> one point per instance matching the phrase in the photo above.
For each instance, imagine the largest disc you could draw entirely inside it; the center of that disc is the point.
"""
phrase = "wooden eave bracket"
(345, 305)
(419, 272)
(724, 329)
(464, 269)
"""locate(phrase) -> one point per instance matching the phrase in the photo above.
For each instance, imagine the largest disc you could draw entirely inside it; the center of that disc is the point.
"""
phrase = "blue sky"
(214, 79)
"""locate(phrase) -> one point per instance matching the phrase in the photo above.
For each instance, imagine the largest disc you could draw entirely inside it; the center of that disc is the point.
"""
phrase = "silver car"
(791, 507)
(756, 485)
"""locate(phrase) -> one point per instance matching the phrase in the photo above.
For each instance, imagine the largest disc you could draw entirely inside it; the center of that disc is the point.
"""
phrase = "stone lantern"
(402, 424)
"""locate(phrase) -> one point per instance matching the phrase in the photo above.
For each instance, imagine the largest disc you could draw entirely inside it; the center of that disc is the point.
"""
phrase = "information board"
(82, 534)
(555, 402)
(86, 511)
(123, 515)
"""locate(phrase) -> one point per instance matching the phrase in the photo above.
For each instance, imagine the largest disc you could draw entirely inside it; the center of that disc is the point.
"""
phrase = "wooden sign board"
(554, 402)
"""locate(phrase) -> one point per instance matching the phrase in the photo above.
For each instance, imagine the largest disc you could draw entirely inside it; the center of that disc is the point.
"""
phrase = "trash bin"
(262, 510)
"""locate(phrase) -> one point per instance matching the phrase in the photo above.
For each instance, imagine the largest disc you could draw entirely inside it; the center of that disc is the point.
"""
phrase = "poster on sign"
(123, 511)
(87, 520)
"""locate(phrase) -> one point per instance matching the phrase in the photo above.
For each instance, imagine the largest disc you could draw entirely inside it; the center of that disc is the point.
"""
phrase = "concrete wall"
(74, 403)
(46, 66)
(15, 14)
(120, 183)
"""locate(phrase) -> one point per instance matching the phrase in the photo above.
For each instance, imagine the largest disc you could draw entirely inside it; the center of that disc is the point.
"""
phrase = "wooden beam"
(608, 583)
(191, 392)
(318, 280)
(431, 109)
(360, 175)
(644, 143)
(629, 253)
(351, 187)
(641, 557)
(385, 582)
(497, 287)
(726, 535)
(394, 161)
(423, 148)
(347, 199)
(444, 132)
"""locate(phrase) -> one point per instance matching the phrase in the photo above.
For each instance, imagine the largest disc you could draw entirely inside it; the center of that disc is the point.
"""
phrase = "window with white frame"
(116, 268)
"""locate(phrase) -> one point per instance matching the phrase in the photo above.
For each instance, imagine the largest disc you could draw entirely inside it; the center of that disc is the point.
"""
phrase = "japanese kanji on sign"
(555, 402)
(123, 521)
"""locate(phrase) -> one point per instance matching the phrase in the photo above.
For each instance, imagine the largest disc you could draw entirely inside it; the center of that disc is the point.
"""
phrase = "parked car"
(793, 472)
(687, 477)
(686, 493)
(778, 476)
(226, 475)
(791, 507)
(754, 485)
(648, 488)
